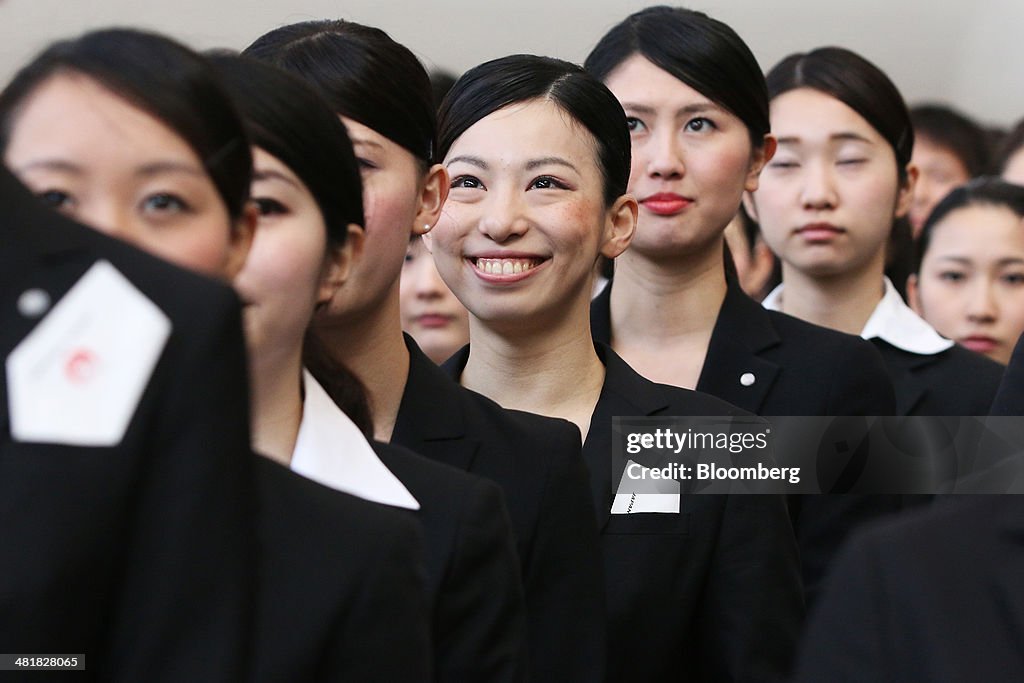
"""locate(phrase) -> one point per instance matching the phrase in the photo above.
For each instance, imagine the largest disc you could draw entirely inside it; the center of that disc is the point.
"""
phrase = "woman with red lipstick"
(697, 108)
(826, 205)
(538, 153)
(969, 281)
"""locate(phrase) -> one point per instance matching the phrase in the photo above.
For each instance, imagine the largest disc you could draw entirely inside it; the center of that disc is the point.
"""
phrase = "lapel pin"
(747, 378)
(33, 302)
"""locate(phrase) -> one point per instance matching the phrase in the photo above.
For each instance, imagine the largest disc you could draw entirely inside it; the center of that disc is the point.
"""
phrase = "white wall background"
(969, 54)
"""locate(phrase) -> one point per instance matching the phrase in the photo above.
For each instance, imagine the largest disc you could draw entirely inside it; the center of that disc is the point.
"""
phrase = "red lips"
(979, 343)
(666, 203)
(819, 232)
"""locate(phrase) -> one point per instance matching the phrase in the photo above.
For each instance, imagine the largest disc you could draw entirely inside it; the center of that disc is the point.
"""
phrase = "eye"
(1014, 279)
(467, 181)
(850, 162)
(952, 276)
(634, 124)
(269, 207)
(546, 182)
(366, 164)
(164, 202)
(782, 163)
(56, 199)
(700, 124)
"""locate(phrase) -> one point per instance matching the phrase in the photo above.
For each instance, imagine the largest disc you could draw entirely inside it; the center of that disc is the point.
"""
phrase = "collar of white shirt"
(332, 451)
(891, 321)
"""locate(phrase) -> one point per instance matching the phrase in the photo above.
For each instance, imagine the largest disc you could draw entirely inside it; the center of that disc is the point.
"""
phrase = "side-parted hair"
(955, 132)
(858, 84)
(702, 52)
(363, 74)
(500, 83)
(983, 191)
(161, 78)
(287, 119)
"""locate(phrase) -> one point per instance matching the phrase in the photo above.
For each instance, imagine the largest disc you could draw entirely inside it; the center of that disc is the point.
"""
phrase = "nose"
(819, 189)
(504, 218)
(427, 282)
(981, 302)
(664, 155)
(108, 218)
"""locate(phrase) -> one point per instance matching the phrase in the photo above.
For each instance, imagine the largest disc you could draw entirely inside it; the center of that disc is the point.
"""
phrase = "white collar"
(891, 321)
(332, 451)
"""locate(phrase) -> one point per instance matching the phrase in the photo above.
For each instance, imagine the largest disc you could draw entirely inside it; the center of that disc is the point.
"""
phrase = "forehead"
(526, 131)
(808, 115)
(103, 126)
(979, 228)
(638, 81)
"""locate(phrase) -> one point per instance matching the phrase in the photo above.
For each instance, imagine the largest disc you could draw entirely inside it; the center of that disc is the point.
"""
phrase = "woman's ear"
(906, 192)
(240, 240)
(338, 264)
(620, 226)
(433, 194)
(913, 295)
(759, 157)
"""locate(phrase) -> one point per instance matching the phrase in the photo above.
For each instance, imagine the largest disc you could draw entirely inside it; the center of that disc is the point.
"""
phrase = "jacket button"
(747, 378)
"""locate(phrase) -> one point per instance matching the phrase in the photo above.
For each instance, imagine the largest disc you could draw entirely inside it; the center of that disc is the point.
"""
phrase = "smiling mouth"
(505, 266)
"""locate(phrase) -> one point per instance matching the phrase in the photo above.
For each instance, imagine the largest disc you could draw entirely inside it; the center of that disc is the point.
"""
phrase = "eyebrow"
(273, 175)
(844, 136)
(162, 167)
(534, 164)
(356, 141)
(51, 165)
(1007, 261)
(695, 108)
(471, 160)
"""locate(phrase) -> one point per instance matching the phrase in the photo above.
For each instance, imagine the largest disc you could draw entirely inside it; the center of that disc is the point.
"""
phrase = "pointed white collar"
(332, 451)
(891, 321)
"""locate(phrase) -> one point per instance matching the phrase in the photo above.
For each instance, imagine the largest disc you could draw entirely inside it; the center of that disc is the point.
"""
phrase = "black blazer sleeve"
(1009, 398)
(478, 618)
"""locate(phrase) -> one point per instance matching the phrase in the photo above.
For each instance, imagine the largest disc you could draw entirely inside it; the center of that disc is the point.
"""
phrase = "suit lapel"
(910, 389)
(430, 419)
(624, 394)
(734, 370)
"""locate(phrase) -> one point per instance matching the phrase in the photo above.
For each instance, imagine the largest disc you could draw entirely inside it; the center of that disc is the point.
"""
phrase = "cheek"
(202, 248)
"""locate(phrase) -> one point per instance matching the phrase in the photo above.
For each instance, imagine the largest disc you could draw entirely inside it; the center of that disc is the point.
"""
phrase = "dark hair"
(983, 191)
(955, 132)
(160, 77)
(702, 52)
(502, 82)
(287, 119)
(1011, 144)
(858, 84)
(363, 74)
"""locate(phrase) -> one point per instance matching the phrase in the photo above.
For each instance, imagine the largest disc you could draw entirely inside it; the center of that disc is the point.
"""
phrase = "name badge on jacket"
(77, 378)
(639, 491)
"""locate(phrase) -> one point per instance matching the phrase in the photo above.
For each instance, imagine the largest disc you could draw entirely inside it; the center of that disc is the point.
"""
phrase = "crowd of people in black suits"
(242, 443)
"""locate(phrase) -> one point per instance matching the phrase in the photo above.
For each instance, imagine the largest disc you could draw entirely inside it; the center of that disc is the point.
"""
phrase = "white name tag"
(77, 378)
(641, 493)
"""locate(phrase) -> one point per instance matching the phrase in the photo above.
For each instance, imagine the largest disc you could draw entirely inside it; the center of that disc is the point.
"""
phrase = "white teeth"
(495, 266)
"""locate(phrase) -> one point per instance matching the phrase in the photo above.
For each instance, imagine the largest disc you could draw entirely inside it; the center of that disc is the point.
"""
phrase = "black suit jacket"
(537, 463)
(798, 368)
(1009, 398)
(139, 555)
(953, 382)
(478, 618)
(342, 587)
(936, 596)
(709, 594)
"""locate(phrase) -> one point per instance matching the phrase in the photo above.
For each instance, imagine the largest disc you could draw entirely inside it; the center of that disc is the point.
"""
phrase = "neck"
(276, 403)
(372, 347)
(841, 302)
(553, 371)
(654, 302)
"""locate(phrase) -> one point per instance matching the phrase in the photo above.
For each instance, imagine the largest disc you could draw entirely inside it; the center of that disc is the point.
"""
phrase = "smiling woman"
(538, 152)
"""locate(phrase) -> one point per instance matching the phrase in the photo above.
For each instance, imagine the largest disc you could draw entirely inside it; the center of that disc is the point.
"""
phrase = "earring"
(427, 227)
